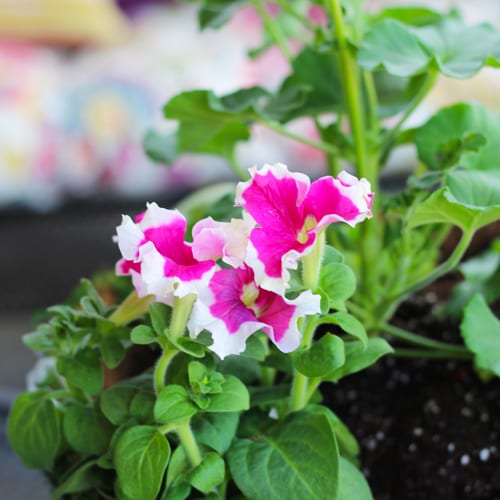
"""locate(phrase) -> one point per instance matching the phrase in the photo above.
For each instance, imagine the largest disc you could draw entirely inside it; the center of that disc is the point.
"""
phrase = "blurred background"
(80, 83)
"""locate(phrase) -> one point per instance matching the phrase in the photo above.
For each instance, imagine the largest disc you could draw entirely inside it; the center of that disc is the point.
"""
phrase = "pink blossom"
(289, 212)
(233, 307)
(213, 240)
(157, 257)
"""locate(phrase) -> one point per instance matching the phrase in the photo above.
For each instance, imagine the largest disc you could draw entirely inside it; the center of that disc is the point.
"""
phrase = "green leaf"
(141, 457)
(480, 329)
(338, 281)
(470, 200)
(391, 45)
(204, 125)
(173, 405)
(323, 357)
(41, 340)
(86, 430)
(317, 72)
(215, 430)
(143, 335)
(416, 16)
(234, 396)
(161, 148)
(83, 370)
(209, 474)
(359, 358)
(112, 351)
(132, 398)
(82, 479)
(352, 483)
(297, 459)
(349, 324)
(456, 123)
(160, 316)
(34, 429)
(459, 51)
(269, 395)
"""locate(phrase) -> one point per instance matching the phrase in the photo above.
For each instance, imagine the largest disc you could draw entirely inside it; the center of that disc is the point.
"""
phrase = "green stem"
(273, 28)
(188, 442)
(277, 127)
(453, 261)
(300, 386)
(311, 263)
(288, 7)
(352, 89)
(131, 308)
(372, 102)
(161, 368)
(390, 136)
(434, 354)
(413, 338)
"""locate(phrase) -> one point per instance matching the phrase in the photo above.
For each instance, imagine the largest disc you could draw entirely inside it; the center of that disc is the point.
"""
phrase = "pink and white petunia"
(157, 257)
(213, 240)
(233, 307)
(289, 212)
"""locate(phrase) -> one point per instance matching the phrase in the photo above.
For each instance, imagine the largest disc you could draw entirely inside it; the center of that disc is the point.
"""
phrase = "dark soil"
(427, 429)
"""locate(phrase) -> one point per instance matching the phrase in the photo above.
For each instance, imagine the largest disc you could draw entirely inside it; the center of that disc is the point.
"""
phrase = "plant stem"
(273, 28)
(188, 442)
(311, 263)
(413, 338)
(131, 308)
(277, 127)
(351, 85)
(162, 366)
(287, 7)
(300, 385)
(453, 261)
(431, 354)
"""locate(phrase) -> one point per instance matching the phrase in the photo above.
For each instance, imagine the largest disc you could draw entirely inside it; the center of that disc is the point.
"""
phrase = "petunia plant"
(205, 379)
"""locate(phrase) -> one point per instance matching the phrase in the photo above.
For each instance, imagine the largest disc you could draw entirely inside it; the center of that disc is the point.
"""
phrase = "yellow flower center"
(250, 294)
(309, 224)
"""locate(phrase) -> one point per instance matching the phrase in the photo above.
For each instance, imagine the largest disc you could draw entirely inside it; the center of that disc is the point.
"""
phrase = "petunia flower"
(233, 307)
(290, 211)
(213, 240)
(157, 257)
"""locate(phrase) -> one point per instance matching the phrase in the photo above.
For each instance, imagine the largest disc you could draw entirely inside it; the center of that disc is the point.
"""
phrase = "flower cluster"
(283, 215)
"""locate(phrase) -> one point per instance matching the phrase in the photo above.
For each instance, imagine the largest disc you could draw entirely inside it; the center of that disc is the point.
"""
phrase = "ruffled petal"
(129, 238)
(342, 199)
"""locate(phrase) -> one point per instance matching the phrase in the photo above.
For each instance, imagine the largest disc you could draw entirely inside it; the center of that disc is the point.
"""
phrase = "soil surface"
(428, 429)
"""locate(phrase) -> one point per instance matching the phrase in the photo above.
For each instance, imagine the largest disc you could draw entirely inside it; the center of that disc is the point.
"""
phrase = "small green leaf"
(129, 399)
(161, 148)
(81, 479)
(456, 123)
(141, 457)
(323, 357)
(173, 405)
(358, 358)
(480, 329)
(86, 430)
(297, 459)
(338, 281)
(160, 316)
(209, 474)
(215, 13)
(391, 45)
(269, 395)
(143, 335)
(83, 370)
(34, 429)
(41, 340)
(349, 324)
(416, 16)
(469, 200)
(234, 396)
(352, 483)
(112, 351)
(215, 430)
